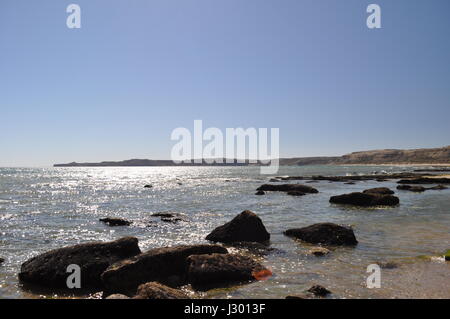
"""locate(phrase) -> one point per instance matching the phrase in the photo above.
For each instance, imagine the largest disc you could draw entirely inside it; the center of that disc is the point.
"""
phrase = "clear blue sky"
(116, 88)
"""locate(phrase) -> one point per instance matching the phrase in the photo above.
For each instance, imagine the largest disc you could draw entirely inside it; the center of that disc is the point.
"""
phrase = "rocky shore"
(120, 270)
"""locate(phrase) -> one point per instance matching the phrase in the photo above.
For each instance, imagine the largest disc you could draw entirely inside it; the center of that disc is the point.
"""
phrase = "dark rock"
(117, 296)
(49, 269)
(350, 183)
(253, 247)
(379, 190)
(288, 188)
(155, 290)
(148, 186)
(115, 221)
(319, 291)
(166, 265)
(381, 180)
(425, 180)
(447, 255)
(260, 193)
(438, 187)
(173, 220)
(325, 234)
(365, 199)
(2, 260)
(295, 193)
(164, 215)
(417, 189)
(274, 180)
(219, 270)
(246, 226)
(388, 265)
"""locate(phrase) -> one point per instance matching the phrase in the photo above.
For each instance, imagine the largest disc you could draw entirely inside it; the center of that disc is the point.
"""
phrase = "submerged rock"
(288, 188)
(164, 215)
(319, 291)
(417, 189)
(447, 255)
(50, 269)
(218, 270)
(365, 199)
(295, 193)
(379, 190)
(438, 187)
(2, 260)
(148, 186)
(245, 227)
(325, 234)
(260, 193)
(166, 265)
(155, 290)
(115, 221)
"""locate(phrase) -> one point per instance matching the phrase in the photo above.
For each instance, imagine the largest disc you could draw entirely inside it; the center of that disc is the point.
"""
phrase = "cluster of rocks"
(419, 188)
(121, 270)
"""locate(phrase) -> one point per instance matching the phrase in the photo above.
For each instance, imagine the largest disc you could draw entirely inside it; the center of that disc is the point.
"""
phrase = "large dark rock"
(379, 190)
(219, 270)
(417, 189)
(425, 180)
(288, 188)
(49, 269)
(115, 221)
(155, 290)
(166, 265)
(365, 199)
(325, 234)
(245, 227)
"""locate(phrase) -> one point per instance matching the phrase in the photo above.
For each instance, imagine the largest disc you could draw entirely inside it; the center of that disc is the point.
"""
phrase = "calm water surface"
(46, 208)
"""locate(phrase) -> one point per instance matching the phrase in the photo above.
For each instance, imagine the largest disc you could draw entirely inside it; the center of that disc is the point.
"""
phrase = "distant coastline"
(423, 156)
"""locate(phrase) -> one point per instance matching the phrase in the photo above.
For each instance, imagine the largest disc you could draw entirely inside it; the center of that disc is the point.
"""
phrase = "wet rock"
(288, 188)
(425, 180)
(417, 189)
(117, 296)
(172, 220)
(245, 227)
(155, 290)
(438, 187)
(325, 234)
(148, 186)
(350, 183)
(253, 247)
(387, 265)
(165, 265)
(50, 269)
(447, 255)
(2, 260)
(164, 215)
(295, 193)
(115, 221)
(319, 291)
(260, 193)
(319, 251)
(219, 270)
(274, 180)
(365, 199)
(379, 190)
(381, 180)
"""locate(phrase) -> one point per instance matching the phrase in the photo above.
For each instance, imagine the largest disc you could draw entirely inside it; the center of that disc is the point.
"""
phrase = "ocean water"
(46, 208)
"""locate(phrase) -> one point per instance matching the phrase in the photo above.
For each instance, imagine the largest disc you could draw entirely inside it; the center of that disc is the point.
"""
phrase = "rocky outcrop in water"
(50, 269)
(115, 221)
(325, 234)
(166, 265)
(425, 180)
(417, 189)
(245, 227)
(365, 199)
(288, 188)
(218, 270)
(155, 290)
(379, 190)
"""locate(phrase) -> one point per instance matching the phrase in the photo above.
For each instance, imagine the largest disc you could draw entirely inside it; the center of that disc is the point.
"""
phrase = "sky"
(117, 87)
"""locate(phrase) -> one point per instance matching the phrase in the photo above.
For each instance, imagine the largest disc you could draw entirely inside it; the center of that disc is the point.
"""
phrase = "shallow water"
(46, 208)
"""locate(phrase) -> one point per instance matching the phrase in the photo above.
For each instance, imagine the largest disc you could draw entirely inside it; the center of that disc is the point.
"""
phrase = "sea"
(47, 208)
